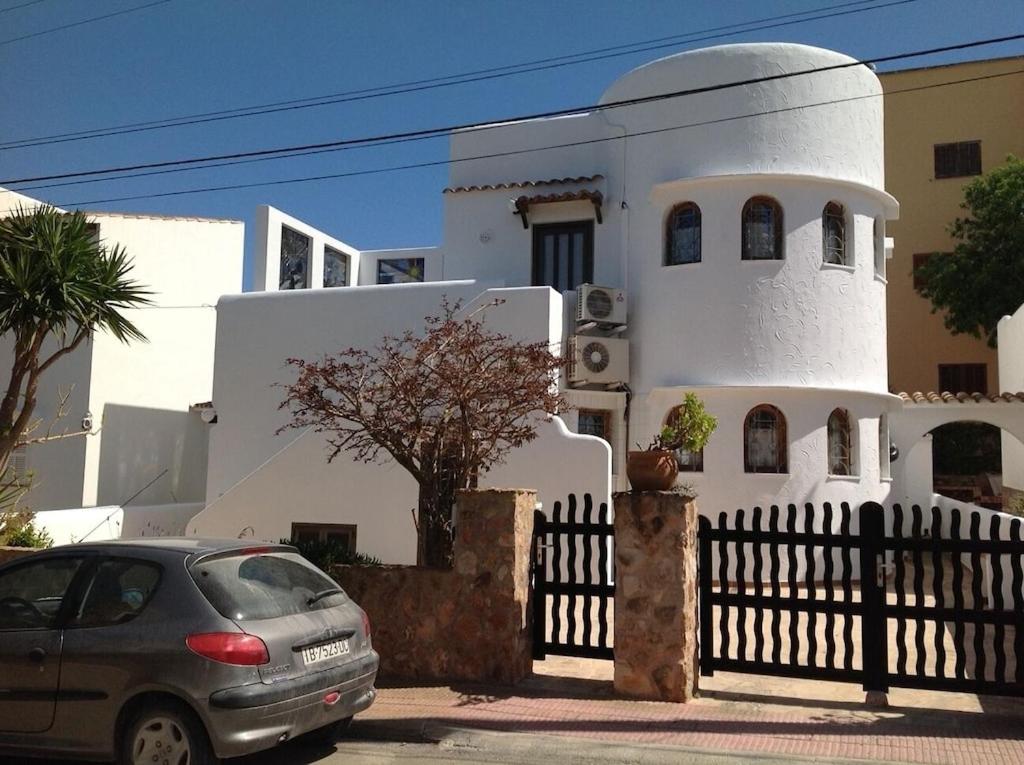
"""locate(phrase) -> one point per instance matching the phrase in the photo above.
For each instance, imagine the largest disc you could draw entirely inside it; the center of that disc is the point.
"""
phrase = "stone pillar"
(655, 596)
(494, 533)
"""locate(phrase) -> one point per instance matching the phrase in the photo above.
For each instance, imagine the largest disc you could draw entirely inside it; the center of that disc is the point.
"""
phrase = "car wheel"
(329, 734)
(165, 734)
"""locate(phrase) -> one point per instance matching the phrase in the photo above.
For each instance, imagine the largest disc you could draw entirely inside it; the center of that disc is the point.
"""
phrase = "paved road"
(375, 744)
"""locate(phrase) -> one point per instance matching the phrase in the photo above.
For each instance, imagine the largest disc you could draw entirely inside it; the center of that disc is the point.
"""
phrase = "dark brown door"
(563, 255)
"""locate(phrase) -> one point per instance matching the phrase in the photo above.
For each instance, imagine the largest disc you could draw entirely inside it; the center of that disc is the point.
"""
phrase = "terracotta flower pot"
(652, 471)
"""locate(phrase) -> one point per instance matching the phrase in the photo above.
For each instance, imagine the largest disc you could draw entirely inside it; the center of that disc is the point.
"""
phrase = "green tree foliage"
(983, 279)
(58, 285)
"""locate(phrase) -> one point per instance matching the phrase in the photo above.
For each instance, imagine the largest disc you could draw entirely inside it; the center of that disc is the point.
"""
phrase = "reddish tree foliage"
(447, 406)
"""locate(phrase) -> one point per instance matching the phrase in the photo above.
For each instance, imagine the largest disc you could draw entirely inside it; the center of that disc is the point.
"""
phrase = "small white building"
(148, 444)
(740, 233)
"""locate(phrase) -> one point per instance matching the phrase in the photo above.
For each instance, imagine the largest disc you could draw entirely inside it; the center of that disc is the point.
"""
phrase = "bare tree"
(447, 406)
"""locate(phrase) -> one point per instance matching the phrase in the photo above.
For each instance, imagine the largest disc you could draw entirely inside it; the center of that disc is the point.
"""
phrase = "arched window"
(879, 238)
(762, 229)
(682, 235)
(840, 443)
(833, 229)
(688, 462)
(764, 440)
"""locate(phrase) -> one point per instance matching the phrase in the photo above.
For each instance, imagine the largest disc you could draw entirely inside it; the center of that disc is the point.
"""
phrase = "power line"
(463, 78)
(82, 22)
(515, 152)
(478, 126)
(19, 7)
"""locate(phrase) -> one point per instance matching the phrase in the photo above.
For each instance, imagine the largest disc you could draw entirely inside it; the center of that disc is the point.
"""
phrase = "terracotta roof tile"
(567, 196)
(524, 184)
(945, 397)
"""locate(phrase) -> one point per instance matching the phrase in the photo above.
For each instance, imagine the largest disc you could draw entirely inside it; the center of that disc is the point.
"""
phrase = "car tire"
(167, 734)
(329, 734)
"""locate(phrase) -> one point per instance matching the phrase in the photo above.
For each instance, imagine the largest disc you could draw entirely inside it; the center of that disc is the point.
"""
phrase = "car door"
(33, 597)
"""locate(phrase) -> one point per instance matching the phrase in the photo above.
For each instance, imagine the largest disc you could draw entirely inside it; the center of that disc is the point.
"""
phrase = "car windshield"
(265, 585)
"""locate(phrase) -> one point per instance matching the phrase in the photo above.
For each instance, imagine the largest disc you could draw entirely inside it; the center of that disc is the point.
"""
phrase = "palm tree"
(58, 285)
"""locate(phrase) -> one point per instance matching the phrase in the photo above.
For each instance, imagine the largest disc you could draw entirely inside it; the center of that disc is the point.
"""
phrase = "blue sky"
(190, 56)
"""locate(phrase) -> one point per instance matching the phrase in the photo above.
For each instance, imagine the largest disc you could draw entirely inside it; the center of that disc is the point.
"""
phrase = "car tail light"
(366, 625)
(230, 648)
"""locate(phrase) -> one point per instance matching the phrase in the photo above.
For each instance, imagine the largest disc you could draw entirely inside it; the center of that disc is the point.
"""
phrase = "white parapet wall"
(262, 481)
(97, 524)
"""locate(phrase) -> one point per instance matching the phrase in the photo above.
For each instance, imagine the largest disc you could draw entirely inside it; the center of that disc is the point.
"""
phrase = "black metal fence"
(813, 602)
(573, 576)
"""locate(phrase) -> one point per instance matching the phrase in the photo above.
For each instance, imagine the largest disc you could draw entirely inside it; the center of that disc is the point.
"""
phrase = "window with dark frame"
(840, 443)
(400, 270)
(596, 422)
(764, 441)
(295, 248)
(957, 160)
(762, 229)
(920, 259)
(683, 235)
(335, 268)
(833, 230)
(563, 255)
(343, 534)
(963, 378)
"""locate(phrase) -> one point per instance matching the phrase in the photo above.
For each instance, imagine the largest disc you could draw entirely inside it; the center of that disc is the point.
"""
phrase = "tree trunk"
(435, 529)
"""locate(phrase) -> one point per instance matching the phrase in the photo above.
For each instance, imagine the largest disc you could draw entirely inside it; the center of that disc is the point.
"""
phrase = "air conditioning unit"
(598, 360)
(604, 305)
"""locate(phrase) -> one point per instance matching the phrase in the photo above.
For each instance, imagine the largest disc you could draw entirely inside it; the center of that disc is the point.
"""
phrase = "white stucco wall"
(139, 394)
(260, 482)
(95, 524)
(267, 250)
(1011, 380)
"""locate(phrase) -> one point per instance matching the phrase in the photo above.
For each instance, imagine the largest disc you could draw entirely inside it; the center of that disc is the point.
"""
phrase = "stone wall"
(468, 624)
(656, 596)
(10, 553)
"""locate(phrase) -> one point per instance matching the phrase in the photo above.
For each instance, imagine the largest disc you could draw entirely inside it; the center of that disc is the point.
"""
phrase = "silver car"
(176, 651)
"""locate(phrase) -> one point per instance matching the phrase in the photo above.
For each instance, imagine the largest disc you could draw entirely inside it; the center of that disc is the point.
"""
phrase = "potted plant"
(689, 427)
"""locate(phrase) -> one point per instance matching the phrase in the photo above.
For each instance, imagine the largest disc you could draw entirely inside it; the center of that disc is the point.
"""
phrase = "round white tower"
(754, 264)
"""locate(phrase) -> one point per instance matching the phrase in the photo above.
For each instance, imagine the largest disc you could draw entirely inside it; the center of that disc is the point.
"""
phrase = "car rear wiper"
(321, 595)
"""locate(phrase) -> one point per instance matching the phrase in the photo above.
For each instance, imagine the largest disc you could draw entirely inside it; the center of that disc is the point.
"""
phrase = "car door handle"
(37, 655)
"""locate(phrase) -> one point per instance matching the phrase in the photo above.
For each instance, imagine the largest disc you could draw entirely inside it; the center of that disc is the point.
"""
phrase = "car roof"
(182, 545)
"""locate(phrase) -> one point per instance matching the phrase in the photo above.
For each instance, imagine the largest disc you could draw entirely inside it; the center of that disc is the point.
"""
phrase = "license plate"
(318, 654)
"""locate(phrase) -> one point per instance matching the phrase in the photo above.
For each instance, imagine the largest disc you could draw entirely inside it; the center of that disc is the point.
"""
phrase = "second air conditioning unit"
(598, 360)
(604, 305)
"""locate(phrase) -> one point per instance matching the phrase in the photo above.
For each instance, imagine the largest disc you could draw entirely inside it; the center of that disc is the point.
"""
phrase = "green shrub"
(327, 554)
(22, 532)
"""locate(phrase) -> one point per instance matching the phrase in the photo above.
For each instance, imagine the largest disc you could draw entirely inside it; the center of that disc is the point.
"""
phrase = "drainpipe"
(624, 256)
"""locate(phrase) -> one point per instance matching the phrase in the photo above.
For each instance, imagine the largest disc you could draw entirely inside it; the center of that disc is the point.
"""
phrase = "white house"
(148, 441)
(741, 229)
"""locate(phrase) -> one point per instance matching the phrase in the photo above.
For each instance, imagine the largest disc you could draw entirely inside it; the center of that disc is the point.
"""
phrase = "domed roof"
(724, 64)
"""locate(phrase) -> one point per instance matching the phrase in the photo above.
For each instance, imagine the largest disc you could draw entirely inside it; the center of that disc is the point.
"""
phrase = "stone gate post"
(655, 596)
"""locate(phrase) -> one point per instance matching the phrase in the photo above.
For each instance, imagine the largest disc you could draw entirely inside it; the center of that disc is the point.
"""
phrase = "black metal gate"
(763, 613)
(573, 581)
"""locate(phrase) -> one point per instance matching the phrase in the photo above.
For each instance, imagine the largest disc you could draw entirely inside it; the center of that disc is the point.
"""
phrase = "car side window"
(118, 592)
(31, 594)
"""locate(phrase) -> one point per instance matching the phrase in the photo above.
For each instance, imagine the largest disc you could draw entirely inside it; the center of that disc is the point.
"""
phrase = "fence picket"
(812, 617)
(1018, 604)
(570, 567)
(773, 553)
(723, 584)
(556, 574)
(899, 584)
(917, 532)
(999, 641)
(603, 541)
(830, 588)
(759, 641)
(741, 588)
(588, 575)
(937, 593)
(794, 616)
(844, 529)
(959, 633)
(977, 602)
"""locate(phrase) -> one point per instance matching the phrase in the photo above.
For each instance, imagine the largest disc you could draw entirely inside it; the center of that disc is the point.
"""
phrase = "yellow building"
(937, 139)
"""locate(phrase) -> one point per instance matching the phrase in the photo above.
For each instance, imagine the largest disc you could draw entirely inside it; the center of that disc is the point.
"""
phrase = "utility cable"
(492, 124)
(80, 23)
(449, 80)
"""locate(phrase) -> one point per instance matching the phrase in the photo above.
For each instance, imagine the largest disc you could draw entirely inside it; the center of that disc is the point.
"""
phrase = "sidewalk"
(721, 721)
